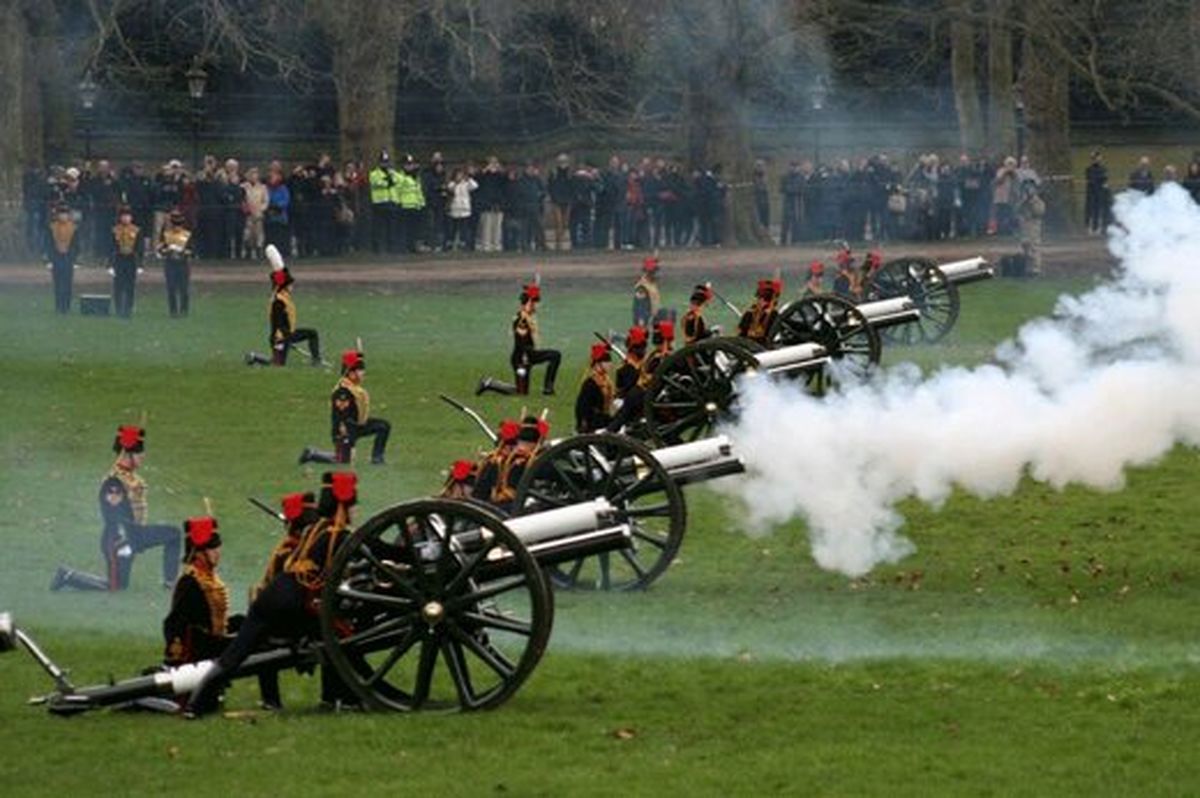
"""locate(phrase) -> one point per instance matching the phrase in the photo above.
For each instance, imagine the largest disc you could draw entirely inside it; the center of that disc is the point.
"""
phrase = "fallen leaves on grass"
(624, 733)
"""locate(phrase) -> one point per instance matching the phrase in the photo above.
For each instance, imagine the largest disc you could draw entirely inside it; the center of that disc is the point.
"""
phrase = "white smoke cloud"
(1111, 380)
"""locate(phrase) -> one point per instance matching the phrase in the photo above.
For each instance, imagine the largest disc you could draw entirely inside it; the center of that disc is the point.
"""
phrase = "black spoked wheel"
(852, 343)
(435, 605)
(625, 472)
(932, 293)
(695, 388)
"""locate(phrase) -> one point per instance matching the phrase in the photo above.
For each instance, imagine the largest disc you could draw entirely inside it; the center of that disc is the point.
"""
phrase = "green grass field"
(1043, 644)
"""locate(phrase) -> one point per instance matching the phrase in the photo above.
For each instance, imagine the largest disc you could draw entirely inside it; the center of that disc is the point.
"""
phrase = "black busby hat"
(533, 429)
(702, 293)
(201, 534)
(338, 487)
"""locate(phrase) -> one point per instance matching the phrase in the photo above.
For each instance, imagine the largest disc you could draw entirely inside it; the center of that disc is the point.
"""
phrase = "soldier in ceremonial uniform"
(198, 624)
(174, 247)
(124, 261)
(815, 284)
(287, 607)
(125, 533)
(488, 469)
(62, 246)
(299, 512)
(281, 315)
(846, 281)
(646, 298)
(694, 327)
(350, 417)
(460, 481)
(525, 353)
(532, 434)
(594, 404)
(756, 322)
(630, 395)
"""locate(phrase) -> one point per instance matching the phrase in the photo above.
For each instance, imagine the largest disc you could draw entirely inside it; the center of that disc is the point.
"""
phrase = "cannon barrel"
(971, 270)
(561, 522)
(791, 358)
(890, 312)
(700, 461)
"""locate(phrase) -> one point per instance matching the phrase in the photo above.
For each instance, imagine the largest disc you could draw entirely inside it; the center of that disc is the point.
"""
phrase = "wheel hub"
(433, 612)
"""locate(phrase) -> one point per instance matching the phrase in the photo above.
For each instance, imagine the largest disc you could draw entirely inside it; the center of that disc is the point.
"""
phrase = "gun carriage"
(933, 289)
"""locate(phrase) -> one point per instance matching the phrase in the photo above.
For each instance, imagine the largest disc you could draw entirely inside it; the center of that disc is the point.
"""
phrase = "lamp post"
(816, 95)
(196, 80)
(87, 100)
(1019, 110)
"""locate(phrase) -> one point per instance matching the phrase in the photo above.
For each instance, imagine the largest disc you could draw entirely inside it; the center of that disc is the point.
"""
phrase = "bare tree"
(964, 75)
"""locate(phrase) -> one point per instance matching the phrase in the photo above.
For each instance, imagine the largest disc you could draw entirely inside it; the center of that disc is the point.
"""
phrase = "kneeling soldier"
(281, 314)
(525, 352)
(350, 417)
(125, 533)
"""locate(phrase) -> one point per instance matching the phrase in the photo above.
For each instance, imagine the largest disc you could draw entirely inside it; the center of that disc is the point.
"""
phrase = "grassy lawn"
(1040, 644)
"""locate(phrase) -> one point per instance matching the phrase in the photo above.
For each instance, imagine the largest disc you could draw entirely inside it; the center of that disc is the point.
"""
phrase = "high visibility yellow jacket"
(407, 192)
(382, 190)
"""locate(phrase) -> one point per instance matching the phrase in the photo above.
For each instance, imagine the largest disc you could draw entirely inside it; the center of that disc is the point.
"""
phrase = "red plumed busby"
(531, 293)
(702, 293)
(601, 352)
(650, 264)
(816, 267)
(344, 486)
(294, 505)
(352, 359)
(636, 337)
(843, 257)
(130, 439)
(533, 429)
(509, 430)
(769, 289)
(874, 259)
(664, 331)
(201, 533)
(462, 470)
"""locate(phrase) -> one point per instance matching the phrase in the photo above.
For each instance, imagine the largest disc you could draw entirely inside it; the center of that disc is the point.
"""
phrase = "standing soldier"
(694, 327)
(350, 417)
(756, 322)
(287, 606)
(126, 236)
(646, 299)
(125, 533)
(175, 248)
(815, 284)
(594, 404)
(525, 352)
(62, 246)
(281, 314)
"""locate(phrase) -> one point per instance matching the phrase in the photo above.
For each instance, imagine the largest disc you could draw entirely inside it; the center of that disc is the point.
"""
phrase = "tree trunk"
(1044, 83)
(15, 81)
(1001, 134)
(963, 75)
(366, 72)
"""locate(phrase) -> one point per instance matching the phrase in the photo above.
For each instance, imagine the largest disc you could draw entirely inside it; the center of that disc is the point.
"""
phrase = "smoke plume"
(1111, 380)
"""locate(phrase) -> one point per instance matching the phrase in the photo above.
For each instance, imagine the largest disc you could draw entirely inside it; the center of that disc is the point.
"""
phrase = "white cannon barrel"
(561, 521)
(791, 357)
(889, 312)
(685, 454)
(967, 271)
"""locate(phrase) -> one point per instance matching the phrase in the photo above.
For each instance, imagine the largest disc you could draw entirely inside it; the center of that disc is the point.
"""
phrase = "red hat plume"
(130, 436)
(650, 264)
(461, 470)
(600, 352)
(665, 330)
(636, 336)
(509, 430)
(352, 359)
(533, 292)
(816, 267)
(344, 486)
(200, 530)
(293, 505)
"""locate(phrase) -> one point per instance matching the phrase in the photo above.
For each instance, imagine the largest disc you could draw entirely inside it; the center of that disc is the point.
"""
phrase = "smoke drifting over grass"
(1111, 380)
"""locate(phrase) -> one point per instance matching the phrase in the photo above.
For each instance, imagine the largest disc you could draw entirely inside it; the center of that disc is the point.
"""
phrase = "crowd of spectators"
(319, 209)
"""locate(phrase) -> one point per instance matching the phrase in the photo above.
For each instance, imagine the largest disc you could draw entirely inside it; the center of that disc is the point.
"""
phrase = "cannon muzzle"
(971, 270)
(890, 312)
(8, 638)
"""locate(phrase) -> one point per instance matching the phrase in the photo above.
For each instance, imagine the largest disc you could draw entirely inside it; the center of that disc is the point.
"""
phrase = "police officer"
(284, 334)
(350, 417)
(174, 247)
(125, 533)
(382, 180)
(410, 200)
(124, 260)
(62, 247)
(525, 352)
(594, 403)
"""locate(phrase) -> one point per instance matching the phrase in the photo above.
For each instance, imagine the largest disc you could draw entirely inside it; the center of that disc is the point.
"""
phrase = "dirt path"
(1064, 257)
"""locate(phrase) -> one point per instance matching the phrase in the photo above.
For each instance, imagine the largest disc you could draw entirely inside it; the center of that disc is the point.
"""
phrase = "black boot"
(311, 455)
(495, 386)
(255, 359)
(66, 577)
(205, 699)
